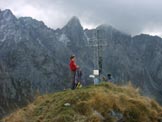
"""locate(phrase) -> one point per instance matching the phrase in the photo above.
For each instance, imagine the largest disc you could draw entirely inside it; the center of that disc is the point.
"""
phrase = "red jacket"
(72, 65)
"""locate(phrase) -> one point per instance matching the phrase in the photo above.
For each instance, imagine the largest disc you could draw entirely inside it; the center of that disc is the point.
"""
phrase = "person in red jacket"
(73, 68)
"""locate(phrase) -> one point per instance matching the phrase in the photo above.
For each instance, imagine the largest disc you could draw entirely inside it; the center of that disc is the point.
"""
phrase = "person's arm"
(76, 66)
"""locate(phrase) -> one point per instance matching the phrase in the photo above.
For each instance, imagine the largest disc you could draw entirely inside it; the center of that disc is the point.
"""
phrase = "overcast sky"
(130, 16)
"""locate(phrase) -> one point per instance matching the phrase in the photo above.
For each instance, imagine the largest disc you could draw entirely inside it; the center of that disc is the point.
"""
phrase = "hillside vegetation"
(102, 103)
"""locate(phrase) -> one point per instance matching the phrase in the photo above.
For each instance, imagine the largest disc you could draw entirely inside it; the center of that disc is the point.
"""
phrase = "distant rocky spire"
(7, 14)
(74, 31)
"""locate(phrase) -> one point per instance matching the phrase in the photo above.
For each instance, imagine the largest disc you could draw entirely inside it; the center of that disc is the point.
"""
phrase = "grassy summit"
(102, 103)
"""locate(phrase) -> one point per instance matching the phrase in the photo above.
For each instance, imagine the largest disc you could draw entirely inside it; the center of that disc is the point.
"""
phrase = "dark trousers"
(73, 85)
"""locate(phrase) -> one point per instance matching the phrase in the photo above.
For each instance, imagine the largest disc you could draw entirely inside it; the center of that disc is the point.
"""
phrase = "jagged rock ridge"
(35, 58)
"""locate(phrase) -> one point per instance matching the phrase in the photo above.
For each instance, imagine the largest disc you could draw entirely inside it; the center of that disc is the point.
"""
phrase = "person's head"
(109, 75)
(72, 57)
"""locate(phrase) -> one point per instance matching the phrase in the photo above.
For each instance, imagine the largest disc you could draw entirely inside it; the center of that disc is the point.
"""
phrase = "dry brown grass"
(91, 104)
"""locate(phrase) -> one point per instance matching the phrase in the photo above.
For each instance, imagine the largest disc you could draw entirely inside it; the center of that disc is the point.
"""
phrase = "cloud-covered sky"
(130, 16)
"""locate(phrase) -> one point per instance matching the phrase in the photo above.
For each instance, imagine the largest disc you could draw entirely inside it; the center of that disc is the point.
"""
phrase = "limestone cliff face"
(31, 59)
(34, 58)
(137, 59)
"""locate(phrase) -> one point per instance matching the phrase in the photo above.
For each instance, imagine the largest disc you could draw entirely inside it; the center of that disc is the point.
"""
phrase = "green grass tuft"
(105, 102)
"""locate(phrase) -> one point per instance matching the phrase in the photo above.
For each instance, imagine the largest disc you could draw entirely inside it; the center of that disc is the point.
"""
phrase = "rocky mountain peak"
(74, 31)
(31, 54)
(102, 26)
(73, 23)
(108, 30)
(30, 22)
(106, 27)
(7, 15)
